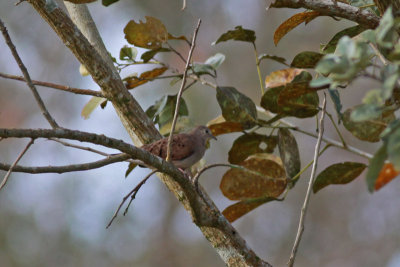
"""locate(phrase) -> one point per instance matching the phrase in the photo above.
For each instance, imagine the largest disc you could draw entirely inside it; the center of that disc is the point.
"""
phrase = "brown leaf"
(237, 210)
(220, 126)
(281, 77)
(292, 23)
(150, 34)
(387, 174)
(265, 177)
(132, 82)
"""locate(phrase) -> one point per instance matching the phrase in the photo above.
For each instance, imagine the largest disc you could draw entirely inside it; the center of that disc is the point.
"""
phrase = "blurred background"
(60, 219)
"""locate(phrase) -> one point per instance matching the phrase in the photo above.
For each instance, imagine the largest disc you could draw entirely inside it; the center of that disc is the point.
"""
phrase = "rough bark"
(217, 230)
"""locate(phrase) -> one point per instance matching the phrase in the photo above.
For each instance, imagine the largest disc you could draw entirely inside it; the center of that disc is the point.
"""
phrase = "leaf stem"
(258, 69)
(337, 129)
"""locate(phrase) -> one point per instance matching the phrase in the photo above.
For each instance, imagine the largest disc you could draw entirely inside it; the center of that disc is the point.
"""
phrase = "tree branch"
(54, 86)
(178, 98)
(67, 168)
(310, 184)
(28, 80)
(218, 231)
(14, 165)
(133, 192)
(333, 8)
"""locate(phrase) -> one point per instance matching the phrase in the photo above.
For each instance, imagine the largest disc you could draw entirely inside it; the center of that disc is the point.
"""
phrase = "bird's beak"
(213, 137)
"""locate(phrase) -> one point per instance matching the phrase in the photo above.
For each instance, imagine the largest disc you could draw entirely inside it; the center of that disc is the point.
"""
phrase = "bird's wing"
(182, 147)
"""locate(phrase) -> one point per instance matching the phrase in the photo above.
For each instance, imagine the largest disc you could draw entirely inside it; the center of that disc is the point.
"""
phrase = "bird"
(186, 148)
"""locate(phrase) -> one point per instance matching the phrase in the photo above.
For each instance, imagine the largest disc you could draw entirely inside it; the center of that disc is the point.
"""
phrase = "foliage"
(289, 92)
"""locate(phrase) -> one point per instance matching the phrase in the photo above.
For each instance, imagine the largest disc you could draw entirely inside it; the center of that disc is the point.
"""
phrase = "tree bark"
(217, 230)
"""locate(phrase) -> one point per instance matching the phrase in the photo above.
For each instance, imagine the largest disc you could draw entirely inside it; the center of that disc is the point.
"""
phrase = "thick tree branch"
(55, 86)
(218, 231)
(333, 8)
(67, 168)
(228, 243)
(133, 117)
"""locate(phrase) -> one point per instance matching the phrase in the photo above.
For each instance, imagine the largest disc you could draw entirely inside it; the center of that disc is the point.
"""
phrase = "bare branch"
(28, 80)
(330, 8)
(12, 167)
(183, 5)
(131, 194)
(178, 100)
(54, 86)
(67, 168)
(310, 184)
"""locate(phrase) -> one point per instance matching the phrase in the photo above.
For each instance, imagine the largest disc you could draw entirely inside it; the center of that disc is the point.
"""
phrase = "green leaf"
(351, 32)
(320, 82)
(289, 152)
(306, 59)
(238, 34)
(146, 56)
(90, 106)
(130, 168)
(298, 100)
(365, 112)
(163, 110)
(393, 148)
(340, 173)
(367, 130)
(334, 94)
(128, 53)
(236, 107)
(249, 144)
(108, 2)
(390, 74)
(272, 57)
(201, 68)
(215, 61)
(375, 166)
(386, 35)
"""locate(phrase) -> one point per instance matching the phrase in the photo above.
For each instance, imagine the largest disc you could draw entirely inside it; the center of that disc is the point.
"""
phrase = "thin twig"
(80, 147)
(183, 5)
(133, 191)
(67, 168)
(195, 179)
(176, 52)
(379, 54)
(28, 80)
(310, 183)
(178, 99)
(55, 86)
(10, 170)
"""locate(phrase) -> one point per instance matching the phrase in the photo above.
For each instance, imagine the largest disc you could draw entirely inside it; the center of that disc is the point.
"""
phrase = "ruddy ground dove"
(186, 148)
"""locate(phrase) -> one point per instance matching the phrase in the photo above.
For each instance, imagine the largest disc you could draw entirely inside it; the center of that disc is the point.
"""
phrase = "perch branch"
(310, 183)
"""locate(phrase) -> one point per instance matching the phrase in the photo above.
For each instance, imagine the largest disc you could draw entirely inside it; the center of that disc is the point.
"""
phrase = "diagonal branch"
(178, 98)
(333, 8)
(67, 168)
(310, 184)
(28, 80)
(14, 165)
(54, 86)
(131, 194)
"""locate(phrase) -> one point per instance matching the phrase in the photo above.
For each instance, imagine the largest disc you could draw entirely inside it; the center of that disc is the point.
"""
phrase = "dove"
(186, 148)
